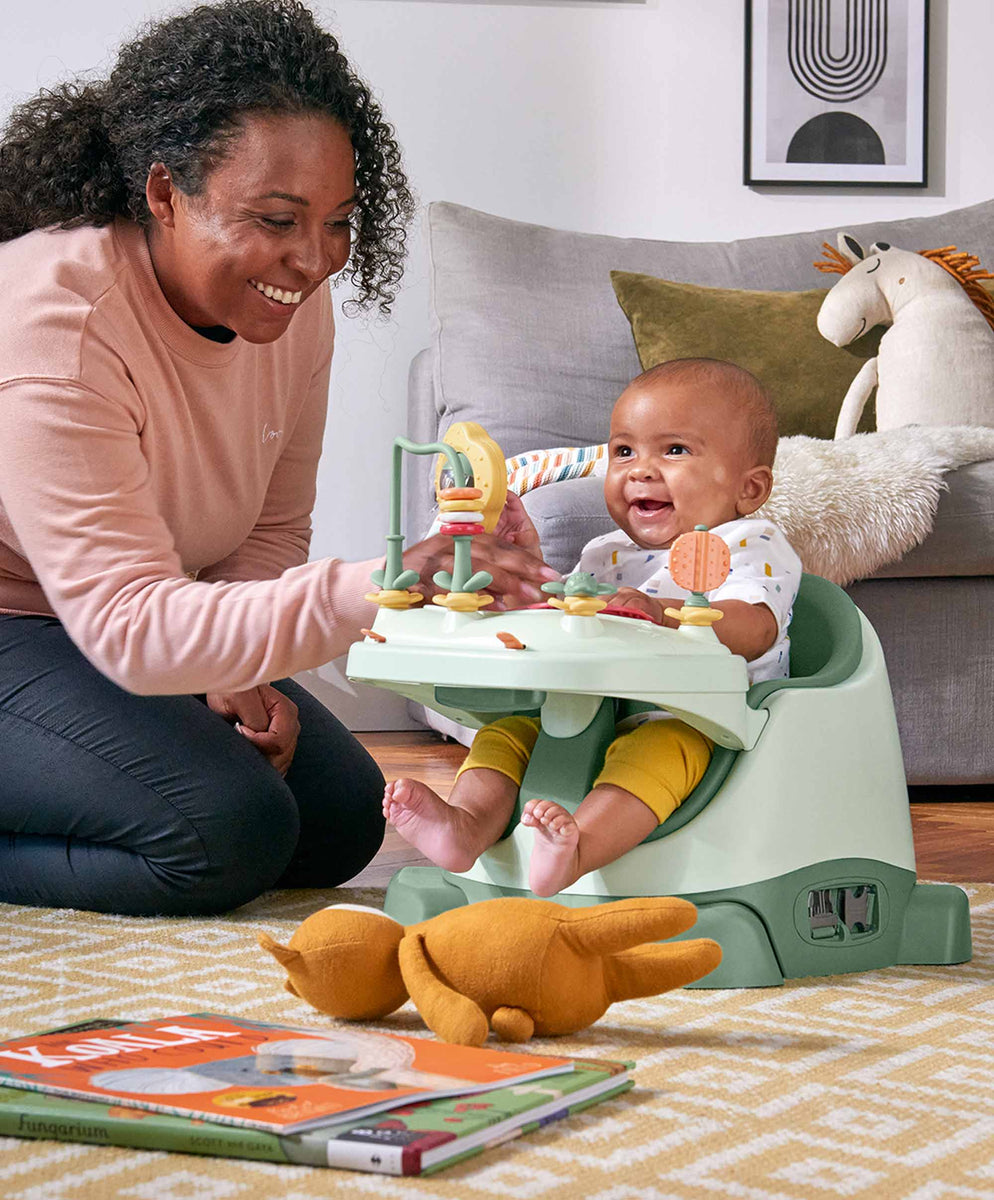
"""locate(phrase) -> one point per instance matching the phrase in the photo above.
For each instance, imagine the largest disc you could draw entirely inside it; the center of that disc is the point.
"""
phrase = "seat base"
(829, 918)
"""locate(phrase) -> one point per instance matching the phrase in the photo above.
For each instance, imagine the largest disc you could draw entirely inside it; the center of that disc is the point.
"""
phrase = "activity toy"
(936, 360)
(796, 845)
(516, 966)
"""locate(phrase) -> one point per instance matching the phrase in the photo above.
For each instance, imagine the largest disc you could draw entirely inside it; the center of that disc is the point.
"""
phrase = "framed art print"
(836, 92)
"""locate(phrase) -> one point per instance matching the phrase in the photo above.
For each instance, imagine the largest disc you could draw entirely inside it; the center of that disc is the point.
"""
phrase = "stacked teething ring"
(460, 510)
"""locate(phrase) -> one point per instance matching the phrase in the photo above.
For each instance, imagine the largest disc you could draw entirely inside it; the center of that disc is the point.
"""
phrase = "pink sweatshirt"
(135, 453)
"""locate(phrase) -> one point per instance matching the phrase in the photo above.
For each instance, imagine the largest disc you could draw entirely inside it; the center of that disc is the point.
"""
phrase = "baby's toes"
(539, 810)
(562, 826)
(552, 818)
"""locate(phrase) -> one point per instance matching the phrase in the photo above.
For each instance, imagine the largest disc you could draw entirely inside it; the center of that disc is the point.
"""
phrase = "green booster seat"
(795, 846)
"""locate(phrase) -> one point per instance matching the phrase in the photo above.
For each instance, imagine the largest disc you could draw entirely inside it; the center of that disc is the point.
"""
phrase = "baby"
(692, 443)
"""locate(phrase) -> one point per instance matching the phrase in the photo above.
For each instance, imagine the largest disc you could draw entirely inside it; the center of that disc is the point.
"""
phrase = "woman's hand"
(264, 716)
(518, 572)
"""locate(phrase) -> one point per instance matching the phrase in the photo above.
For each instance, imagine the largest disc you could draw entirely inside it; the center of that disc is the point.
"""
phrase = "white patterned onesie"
(764, 570)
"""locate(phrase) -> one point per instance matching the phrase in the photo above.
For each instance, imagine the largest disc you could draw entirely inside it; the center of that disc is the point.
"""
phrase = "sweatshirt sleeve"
(281, 537)
(76, 489)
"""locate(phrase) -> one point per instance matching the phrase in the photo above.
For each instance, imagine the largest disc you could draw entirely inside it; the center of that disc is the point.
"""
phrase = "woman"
(165, 347)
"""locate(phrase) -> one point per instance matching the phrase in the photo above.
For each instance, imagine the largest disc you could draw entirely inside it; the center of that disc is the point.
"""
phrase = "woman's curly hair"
(79, 154)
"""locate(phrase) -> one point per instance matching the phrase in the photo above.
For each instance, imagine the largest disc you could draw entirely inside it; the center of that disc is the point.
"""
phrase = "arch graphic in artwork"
(829, 71)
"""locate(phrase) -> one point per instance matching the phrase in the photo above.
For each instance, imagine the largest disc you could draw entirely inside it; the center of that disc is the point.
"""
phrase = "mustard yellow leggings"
(660, 762)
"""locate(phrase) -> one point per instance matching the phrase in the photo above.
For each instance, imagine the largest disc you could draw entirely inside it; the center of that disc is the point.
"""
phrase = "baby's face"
(677, 457)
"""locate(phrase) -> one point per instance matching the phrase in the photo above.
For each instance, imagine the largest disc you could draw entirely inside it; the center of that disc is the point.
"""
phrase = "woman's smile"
(282, 296)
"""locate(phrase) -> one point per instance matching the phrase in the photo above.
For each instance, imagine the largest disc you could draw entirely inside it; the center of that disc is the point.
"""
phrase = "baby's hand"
(627, 597)
(514, 525)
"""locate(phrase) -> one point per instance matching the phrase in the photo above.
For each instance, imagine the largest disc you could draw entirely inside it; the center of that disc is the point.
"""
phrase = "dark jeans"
(155, 804)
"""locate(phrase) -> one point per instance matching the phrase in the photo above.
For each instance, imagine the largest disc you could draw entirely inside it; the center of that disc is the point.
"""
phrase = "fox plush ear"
(343, 960)
(605, 929)
(282, 954)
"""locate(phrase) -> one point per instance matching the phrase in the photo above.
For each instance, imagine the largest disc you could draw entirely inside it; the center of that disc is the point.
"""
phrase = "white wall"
(619, 117)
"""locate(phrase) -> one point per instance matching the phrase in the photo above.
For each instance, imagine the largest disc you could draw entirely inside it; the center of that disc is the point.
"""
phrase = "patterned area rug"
(878, 1085)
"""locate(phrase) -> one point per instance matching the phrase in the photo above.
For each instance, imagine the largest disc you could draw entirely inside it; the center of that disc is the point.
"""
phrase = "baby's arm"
(746, 629)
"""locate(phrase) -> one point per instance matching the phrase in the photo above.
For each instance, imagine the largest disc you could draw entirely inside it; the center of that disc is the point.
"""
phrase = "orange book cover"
(278, 1078)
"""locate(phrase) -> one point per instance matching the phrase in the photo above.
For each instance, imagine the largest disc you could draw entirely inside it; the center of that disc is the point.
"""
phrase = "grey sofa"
(528, 340)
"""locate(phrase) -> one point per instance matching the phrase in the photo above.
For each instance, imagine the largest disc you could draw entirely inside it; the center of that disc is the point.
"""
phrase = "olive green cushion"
(772, 334)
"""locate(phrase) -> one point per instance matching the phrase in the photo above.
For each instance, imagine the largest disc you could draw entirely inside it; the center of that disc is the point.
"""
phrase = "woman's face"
(270, 225)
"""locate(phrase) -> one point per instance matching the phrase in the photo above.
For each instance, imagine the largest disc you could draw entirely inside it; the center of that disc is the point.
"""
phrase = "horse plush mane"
(935, 365)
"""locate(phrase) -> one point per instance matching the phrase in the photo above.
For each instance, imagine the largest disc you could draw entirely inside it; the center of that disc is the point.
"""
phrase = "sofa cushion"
(567, 515)
(771, 334)
(529, 340)
(962, 537)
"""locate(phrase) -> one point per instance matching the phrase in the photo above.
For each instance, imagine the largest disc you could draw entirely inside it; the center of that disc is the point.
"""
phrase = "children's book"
(277, 1078)
(414, 1139)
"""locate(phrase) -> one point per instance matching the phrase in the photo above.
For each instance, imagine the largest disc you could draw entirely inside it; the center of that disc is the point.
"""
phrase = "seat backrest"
(826, 644)
(826, 640)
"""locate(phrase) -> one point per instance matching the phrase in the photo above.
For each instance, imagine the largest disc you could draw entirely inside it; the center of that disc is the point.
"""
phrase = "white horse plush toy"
(935, 365)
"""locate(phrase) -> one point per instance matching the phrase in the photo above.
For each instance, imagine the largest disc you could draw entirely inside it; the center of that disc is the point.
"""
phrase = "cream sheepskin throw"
(849, 507)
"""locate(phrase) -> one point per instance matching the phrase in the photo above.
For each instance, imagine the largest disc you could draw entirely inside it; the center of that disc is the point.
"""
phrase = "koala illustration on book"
(344, 1059)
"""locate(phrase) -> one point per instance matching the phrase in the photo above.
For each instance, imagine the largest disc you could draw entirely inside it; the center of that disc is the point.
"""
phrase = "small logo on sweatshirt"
(270, 435)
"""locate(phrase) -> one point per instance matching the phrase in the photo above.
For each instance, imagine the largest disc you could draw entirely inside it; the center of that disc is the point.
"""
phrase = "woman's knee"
(218, 855)
(239, 843)
(340, 801)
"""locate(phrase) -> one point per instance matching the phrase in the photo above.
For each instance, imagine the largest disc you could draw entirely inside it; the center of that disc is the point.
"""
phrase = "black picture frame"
(836, 95)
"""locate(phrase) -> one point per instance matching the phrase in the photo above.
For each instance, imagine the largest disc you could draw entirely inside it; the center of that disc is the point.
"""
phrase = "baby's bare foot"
(555, 861)
(422, 818)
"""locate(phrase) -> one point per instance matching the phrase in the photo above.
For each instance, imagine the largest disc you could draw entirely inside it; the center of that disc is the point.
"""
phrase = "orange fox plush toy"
(518, 966)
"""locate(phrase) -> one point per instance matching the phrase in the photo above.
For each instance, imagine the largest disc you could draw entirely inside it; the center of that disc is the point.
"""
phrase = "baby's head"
(692, 443)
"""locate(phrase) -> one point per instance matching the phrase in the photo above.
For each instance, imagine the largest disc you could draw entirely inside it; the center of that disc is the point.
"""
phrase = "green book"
(411, 1140)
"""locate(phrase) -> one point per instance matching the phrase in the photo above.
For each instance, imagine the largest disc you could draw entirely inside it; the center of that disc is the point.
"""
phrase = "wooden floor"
(954, 838)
